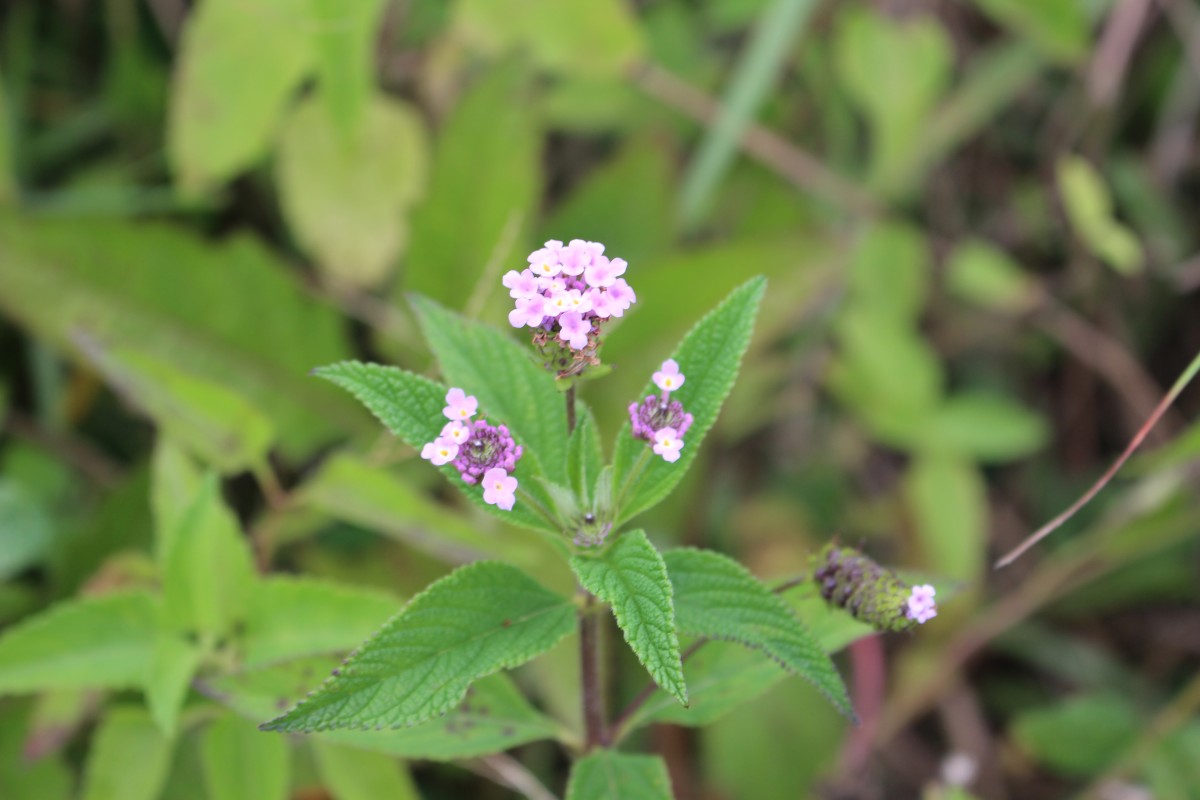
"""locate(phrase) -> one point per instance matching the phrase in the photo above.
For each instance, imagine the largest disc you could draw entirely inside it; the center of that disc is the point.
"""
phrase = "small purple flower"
(440, 451)
(498, 488)
(621, 295)
(921, 606)
(456, 432)
(602, 304)
(544, 262)
(667, 444)
(654, 413)
(604, 272)
(460, 406)
(489, 446)
(578, 256)
(574, 329)
(529, 311)
(669, 378)
(521, 284)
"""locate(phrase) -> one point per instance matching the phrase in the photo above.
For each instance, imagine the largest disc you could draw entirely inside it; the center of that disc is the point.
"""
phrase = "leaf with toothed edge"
(718, 598)
(630, 576)
(410, 406)
(478, 620)
(585, 458)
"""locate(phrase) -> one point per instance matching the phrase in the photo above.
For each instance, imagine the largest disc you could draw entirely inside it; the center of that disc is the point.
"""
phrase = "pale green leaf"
(480, 619)
(26, 532)
(484, 190)
(896, 72)
(176, 481)
(293, 617)
(220, 427)
(208, 575)
(493, 717)
(889, 273)
(345, 35)
(983, 274)
(948, 498)
(1058, 27)
(709, 356)
(1089, 207)
(585, 458)
(223, 114)
(347, 199)
(169, 675)
(352, 774)
(717, 598)
(227, 313)
(410, 406)
(609, 775)
(631, 576)
(586, 37)
(1081, 736)
(240, 763)
(104, 641)
(128, 759)
(510, 385)
(983, 426)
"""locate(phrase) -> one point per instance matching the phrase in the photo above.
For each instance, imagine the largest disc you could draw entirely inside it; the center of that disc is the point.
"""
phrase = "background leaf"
(360, 775)
(128, 759)
(607, 775)
(1089, 207)
(240, 763)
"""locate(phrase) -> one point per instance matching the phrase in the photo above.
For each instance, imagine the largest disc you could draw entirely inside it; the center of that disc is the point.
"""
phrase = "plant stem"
(570, 395)
(593, 694)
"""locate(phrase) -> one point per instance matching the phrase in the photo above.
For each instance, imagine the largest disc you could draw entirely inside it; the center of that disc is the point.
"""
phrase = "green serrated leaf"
(718, 598)
(493, 717)
(104, 641)
(608, 775)
(709, 357)
(410, 406)
(480, 619)
(294, 617)
(353, 774)
(348, 200)
(484, 191)
(170, 674)
(128, 759)
(223, 116)
(242, 764)
(585, 458)
(209, 573)
(631, 576)
(510, 385)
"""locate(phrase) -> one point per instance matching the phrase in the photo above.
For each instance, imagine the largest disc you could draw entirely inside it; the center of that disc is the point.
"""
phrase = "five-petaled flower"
(498, 488)
(667, 444)
(460, 405)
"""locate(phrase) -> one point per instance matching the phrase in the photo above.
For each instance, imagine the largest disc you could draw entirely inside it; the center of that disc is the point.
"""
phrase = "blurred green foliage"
(973, 219)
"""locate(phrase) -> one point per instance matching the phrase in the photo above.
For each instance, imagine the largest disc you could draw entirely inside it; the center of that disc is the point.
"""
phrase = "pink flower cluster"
(921, 606)
(568, 291)
(481, 452)
(659, 419)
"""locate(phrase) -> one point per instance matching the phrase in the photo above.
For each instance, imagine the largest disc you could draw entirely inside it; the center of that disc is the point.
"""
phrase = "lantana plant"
(509, 432)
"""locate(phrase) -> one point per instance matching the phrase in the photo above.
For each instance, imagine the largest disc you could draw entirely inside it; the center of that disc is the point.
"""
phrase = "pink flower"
(461, 405)
(603, 272)
(621, 295)
(921, 606)
(440, 451)
(575, 329)
(570, 300)
(498, 488)
(521, 284)
(667, 444)
(552, 286)
(602, 303)
(456, 432)
(529, 311)
(669, 378)
(545, 262)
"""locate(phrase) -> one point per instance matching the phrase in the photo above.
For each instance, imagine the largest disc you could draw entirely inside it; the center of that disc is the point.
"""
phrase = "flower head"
(667, 444)
(669, 378)
(460, 405)
(498, 488)
(872, 593)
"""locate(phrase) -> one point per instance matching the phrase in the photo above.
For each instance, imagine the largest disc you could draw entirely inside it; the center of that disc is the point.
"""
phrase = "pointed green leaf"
(104, 641)
(209, 573)
(294, 617)
(176, 482)
(128, 759)
(585, 458)
(502, 373)
(170, 674)
(480, 619)
(484, 190)
(631, 576)
(709, 357)
(410, 406)
(718, 598)
(348, 200)
(608, 775)
(353, 774)
(240, 763)
(223, 115)
(494, 716)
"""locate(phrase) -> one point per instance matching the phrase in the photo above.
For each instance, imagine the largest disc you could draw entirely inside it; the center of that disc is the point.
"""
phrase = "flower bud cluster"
(567, 293)
(658, 418)
(481, 452)
(872, 593)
